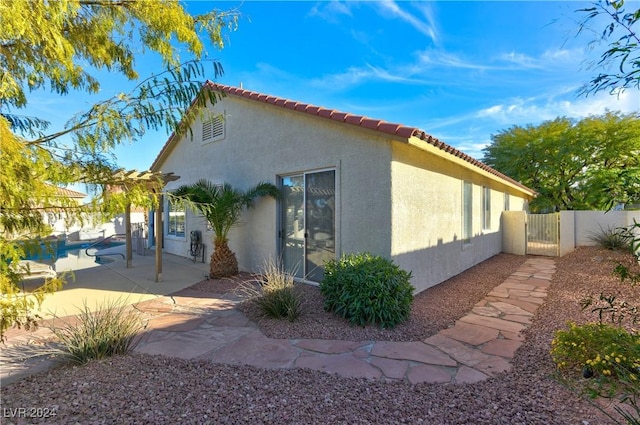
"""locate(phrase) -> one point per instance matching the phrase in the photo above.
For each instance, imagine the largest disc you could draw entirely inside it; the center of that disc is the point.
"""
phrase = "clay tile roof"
(370, 123)
(354, 119)
(398, 130)
(290, 104)
(405, 132)
(68, 193)
(312, 109)
(387, 127)
(324, 112)
(338, 116)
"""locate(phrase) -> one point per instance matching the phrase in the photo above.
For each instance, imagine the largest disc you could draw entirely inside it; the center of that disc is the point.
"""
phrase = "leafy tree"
(63, 46)
(621, 61)
(573, 165)
(222, 205)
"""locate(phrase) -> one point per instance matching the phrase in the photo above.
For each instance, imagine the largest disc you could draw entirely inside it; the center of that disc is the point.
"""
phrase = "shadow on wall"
(435, 264)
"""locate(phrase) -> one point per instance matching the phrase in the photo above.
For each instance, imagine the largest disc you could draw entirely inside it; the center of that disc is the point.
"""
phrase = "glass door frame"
(281, 221)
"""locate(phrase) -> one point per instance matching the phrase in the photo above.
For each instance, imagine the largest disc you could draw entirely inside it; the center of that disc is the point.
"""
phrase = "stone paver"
(341, 364)
(502, 347)
(493, 323)
(430, 374)
(414, 351)
(481, 344)
(471, 334)
(467, 375)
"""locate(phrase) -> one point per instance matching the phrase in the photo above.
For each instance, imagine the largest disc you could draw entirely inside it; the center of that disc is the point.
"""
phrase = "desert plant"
(112, 328)
(625, 272)
(609, 356)
(611, 238)
(222, 205)
(619, 312)
(367, 289)
(274, 292)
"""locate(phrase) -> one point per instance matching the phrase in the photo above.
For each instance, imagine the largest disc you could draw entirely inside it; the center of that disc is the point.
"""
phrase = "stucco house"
(350, 184)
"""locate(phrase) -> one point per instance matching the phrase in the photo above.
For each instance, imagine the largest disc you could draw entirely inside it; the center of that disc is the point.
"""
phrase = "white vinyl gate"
(543, 234)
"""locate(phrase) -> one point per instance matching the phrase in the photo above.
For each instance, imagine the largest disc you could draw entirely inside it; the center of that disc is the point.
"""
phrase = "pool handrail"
(102, 240)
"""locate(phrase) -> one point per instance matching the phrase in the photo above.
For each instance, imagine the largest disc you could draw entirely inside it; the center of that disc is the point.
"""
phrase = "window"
(467, 212)
(176, 219)
(486, 208)
(506, 202)
(213, 130)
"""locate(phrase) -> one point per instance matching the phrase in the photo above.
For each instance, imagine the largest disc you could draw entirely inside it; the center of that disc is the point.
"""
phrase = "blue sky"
(460, 71)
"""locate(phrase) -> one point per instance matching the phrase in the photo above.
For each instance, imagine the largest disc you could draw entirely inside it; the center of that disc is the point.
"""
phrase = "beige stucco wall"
(514, 232)
(264, 141)
(427, 216)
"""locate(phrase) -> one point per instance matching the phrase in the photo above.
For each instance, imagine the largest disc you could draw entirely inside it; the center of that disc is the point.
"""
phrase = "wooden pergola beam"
(155, 181)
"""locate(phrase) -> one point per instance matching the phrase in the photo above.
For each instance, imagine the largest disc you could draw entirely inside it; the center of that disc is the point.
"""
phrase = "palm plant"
(221, 205)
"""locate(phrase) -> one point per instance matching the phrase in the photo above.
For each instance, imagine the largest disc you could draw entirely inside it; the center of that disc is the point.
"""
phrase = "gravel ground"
(432, 310)
(142, 389)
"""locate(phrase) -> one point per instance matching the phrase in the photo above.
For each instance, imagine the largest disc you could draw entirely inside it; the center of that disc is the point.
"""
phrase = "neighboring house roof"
(398, 130)
(68, 193)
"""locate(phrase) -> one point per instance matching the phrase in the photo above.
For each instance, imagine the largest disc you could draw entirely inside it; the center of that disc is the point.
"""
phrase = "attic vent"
(213, 130)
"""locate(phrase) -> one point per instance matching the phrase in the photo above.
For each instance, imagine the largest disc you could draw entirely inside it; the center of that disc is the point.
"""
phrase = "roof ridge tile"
(354, 119)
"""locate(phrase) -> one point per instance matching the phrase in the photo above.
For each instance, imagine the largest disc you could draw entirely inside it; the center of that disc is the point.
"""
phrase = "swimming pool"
(74, 255)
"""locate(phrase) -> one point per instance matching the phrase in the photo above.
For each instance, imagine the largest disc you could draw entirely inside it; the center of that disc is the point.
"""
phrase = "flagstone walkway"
(191, 325)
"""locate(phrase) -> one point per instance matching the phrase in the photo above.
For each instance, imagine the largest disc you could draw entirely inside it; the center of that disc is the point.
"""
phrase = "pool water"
(74, 256)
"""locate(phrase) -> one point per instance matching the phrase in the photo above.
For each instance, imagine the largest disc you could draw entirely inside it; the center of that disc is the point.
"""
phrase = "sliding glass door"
(308, 223)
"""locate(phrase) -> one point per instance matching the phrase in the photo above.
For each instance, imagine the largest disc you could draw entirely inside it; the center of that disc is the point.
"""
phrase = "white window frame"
(172, 216)
(486, 208)
(467, 212)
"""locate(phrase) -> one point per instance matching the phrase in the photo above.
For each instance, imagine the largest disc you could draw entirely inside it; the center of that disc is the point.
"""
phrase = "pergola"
(154, 182)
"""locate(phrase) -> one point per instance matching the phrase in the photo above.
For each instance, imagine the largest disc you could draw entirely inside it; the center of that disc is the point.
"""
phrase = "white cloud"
(330, 10)
(427, 28)
(520, 60)
(360, 75)
(535, 110)
(470, 132)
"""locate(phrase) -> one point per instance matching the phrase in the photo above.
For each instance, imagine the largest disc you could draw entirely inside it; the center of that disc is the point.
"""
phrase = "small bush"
(111, 329)
(599, 347)
(367, 289)
(609, 357)
(612, 238)
(275, 294)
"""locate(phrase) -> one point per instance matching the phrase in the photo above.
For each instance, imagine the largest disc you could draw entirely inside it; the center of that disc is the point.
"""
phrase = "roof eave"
(448, 153)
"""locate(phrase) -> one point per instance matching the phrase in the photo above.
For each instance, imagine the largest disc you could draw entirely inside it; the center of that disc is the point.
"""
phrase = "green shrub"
(275, 294)
(367, 289)
(111, 329)
(612, 238)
